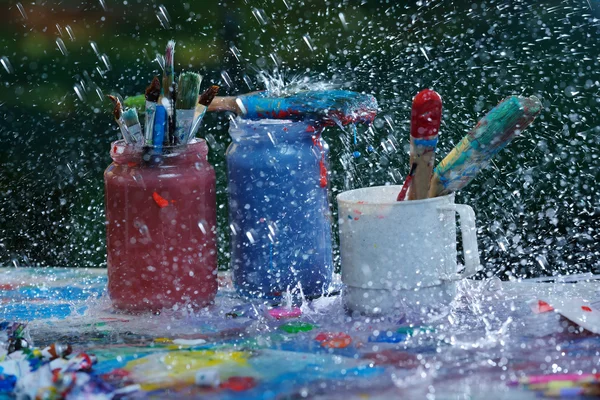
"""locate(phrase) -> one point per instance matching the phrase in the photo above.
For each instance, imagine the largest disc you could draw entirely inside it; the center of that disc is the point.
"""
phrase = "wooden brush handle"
(224, 103)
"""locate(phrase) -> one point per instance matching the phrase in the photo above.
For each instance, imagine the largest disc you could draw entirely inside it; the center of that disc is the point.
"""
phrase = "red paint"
(407, 182)
(396, 358)
(131, 164)
(322, 168)
(239, 383)
(426, 114)
(544, 307)
(586, 308)
(160, 201)
(334, 340)
(114, 149)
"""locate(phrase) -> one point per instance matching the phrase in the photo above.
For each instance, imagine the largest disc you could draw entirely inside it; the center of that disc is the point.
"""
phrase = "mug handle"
(469, 238)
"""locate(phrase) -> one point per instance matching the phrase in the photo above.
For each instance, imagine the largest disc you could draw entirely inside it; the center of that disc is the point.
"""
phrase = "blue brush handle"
(158, 133)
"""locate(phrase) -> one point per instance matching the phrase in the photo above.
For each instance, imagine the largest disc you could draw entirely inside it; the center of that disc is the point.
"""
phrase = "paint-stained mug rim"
(365, 202)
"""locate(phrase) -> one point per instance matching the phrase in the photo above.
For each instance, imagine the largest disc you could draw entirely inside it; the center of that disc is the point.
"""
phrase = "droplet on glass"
(163, 17)
(308, 42)
(6, 64)
(62, 47)
(22, 10)
(260, 15)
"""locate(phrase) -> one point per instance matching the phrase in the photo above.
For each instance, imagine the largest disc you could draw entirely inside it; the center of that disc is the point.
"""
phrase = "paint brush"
(204, 101)
(328, 107)
(491, 134)
(132, 122)
(187, 97)
(118, 113)
(152, 95)
(407, 182)
(158, 130)
(169, 72)
(425, 119)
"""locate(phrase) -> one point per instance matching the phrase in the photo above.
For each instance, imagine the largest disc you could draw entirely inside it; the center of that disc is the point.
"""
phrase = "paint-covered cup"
(401, 256)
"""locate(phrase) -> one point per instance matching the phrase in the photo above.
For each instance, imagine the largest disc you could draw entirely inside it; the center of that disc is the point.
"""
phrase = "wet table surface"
(472, 349)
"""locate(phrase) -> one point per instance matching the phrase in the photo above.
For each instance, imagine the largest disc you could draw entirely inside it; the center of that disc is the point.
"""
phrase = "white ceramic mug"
(401, 255)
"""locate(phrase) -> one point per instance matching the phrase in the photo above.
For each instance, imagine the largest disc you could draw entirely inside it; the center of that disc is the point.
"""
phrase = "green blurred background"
(537, 205)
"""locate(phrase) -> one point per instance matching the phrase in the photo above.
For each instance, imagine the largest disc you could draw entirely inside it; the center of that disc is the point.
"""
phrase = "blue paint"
(31, 311)
(425, 143)
(356, 154)
(370, 149)
(278, 209)
(7, 383)
(388, 337)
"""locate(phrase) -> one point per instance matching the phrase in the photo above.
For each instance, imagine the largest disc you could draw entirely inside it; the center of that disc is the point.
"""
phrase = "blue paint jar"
(279, 212)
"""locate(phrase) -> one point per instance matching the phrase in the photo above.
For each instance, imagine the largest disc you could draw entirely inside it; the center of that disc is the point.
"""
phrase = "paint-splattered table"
(488, 337)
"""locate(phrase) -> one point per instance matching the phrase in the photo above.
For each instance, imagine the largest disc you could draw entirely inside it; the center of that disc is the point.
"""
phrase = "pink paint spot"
(380, 217)
(282, 312)
(586, 308)
(357, 212)
(356, 218)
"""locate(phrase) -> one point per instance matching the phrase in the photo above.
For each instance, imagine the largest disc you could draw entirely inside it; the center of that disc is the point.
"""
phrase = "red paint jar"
(161, 227)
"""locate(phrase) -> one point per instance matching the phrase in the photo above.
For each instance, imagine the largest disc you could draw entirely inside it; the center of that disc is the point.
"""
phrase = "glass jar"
(161, 227)
(279, 210)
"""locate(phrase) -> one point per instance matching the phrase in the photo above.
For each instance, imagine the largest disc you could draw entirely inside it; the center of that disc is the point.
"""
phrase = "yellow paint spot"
(162, 370)
(163, 340)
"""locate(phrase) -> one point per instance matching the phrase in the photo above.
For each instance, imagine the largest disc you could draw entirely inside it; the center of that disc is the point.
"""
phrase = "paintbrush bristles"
(208, 96)
(130, 117)
(491, 134)
(153, 91)
(188, 89)
(169, 74)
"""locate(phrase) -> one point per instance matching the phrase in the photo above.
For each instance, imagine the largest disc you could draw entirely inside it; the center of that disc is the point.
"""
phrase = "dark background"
(537, 205)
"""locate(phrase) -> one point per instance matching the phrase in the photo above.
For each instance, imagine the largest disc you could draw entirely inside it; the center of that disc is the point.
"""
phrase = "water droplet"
(202, 227)
(227, 79)
(424, 53)
(236, 53)
(260, 15)
(59, 29)
(70, 33)
(250, 237)
(62, 47)
(95, 48)
(103, 4)
(308, 42)
(240, 104)
(248, 82)
(343, 20)
(286, 4)
(163, 17)
(106, 61)
(6, 64)
(79, 91)
(22, 10)
(570, 91)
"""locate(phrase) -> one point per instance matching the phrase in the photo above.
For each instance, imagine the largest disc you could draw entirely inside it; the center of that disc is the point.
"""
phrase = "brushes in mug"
(491, 134)
(187, 97)
(204, 101)
(152, 95)
(426, 116)
(117, 113)
(132, 122)
(328, 107)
